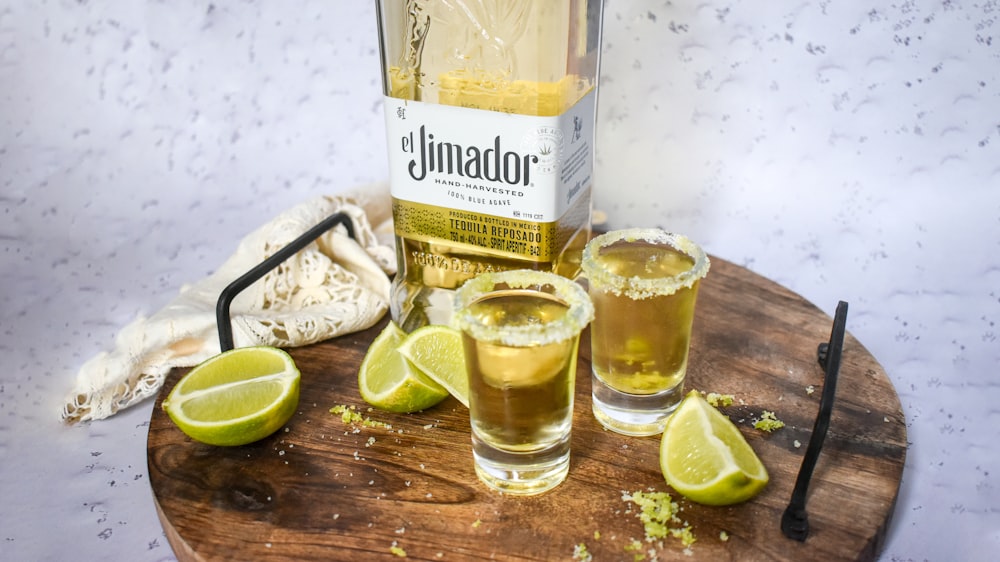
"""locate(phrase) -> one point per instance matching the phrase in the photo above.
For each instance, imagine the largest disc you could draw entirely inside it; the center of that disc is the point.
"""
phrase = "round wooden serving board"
(321, 489)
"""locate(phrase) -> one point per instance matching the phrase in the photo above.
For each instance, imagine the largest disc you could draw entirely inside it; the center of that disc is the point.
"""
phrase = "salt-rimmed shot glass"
(521, 333)
(643, 284)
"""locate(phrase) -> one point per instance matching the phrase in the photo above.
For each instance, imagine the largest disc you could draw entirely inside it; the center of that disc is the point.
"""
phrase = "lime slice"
(437, 351)
(236, 397)
(389, 382)
(705, 458)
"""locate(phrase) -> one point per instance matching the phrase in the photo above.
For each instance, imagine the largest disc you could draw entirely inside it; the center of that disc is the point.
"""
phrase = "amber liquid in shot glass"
(521, 332)
(643, 284)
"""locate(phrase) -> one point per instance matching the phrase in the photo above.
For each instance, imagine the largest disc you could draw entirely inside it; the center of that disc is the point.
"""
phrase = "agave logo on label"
(547, 144)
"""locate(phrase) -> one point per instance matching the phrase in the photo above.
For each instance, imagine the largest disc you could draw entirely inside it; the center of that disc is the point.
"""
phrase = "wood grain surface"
(320, 489)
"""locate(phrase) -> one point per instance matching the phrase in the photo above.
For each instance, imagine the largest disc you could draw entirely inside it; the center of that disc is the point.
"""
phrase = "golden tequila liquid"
(480, 181)
(641, 345)
(521, 398)
(520, 342)
(644, 292)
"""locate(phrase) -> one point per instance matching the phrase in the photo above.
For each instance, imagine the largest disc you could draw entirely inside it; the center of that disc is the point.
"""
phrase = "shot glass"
(643, 284)
(521, 333)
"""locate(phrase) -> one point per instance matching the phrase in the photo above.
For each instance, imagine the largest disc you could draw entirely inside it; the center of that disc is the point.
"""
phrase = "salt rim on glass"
(580, 310)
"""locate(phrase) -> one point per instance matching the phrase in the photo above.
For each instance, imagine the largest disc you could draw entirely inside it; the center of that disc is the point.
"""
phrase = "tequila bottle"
(489, 110)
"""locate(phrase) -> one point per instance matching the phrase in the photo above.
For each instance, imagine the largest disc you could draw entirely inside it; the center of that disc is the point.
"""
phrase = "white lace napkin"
(334, 286)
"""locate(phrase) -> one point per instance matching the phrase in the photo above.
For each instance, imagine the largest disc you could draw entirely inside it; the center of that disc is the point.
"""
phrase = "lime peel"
(716, 399)
(388, 381)
(236, 397)
(659, 515)
(768, 422)
(581, 553)
(436, 352)
(350, 415)
(705, 458)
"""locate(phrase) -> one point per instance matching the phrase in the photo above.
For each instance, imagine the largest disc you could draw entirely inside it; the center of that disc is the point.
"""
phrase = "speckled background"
(847, 151)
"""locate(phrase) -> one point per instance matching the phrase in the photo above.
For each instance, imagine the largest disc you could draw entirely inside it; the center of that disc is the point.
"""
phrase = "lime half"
(437, 351)
(389, 382)
(236, 397)
(705, 458)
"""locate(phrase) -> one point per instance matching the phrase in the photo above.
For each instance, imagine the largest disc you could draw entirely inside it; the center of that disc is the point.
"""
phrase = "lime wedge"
(236, 397)
(705, 458)
(437, 351)
(389, 382)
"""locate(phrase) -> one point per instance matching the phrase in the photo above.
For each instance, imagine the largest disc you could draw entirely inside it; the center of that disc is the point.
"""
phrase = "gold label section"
(504, 237)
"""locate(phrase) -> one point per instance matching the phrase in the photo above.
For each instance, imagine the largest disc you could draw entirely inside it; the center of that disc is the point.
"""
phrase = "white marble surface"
(846, 151)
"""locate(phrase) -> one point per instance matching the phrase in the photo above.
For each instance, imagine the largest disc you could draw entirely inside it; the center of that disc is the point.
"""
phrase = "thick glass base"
(521, 473)
(634, 414)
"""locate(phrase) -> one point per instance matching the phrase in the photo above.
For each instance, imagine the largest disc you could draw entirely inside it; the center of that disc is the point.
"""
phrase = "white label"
(507, 165)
